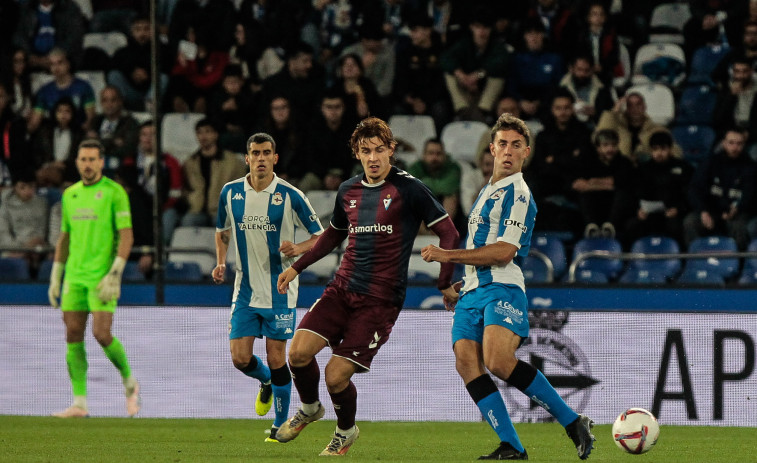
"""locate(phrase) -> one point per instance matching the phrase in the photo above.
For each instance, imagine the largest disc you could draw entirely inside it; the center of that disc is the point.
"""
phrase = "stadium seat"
(323, 204)
(635, 276)
(696, 141)
(97, 80)
(109, 42)
(199, 243)
(749, 273)
(668, 268)
(177, 134)
(591, 277)
(663, 63)
(704, 60)
(411, 132)
(727, 268)
(461, 139)
(13, 269)
(132, 274)
(659, 99)
(624, 57)
(610, 268)
(551, 246)
(45, 268)
(421, 272)
(141, 116)
(666, 22)
(696, 105)
(183, 271)
(704, 277)
(534, 270)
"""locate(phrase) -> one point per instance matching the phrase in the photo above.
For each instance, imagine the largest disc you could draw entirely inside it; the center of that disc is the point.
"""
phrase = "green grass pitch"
(44, 439)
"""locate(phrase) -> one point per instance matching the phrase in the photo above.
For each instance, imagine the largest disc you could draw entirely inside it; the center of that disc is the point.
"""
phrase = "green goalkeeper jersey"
(92, 216)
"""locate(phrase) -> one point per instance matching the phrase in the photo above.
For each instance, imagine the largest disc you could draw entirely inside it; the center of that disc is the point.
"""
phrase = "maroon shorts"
(355, 325)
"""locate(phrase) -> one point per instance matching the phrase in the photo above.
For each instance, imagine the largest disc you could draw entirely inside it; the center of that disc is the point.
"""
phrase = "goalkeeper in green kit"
(95, 241)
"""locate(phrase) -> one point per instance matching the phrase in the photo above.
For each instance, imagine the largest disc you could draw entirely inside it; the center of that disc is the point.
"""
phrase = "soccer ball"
(636, 431)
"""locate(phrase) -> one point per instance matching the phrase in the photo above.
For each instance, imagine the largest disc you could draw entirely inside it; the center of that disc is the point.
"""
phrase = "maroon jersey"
(382, 221)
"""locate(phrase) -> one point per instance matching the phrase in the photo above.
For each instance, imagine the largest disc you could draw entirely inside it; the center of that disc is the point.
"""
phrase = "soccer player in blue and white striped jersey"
(491, 314)
(260, 212)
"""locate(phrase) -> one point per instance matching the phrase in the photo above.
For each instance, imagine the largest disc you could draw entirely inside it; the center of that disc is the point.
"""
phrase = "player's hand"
(451, 295)
(110, 286)
(53, 292)
(219, 273)
(433, 253)
(284, 278)
(289, 249)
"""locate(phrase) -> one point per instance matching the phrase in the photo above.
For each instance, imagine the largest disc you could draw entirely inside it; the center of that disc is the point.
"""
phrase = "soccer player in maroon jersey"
(380, 213)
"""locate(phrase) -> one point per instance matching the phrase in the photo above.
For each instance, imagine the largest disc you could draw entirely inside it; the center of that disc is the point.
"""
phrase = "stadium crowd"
(604, 163)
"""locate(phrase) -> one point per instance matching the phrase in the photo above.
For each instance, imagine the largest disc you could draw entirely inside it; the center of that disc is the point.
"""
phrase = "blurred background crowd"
(643, 113)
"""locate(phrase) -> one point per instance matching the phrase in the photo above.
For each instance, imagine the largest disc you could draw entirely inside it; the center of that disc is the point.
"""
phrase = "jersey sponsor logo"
(120, 214)
(84, 213)
(284, 317)
(521, 199)
(375, 228)
(511, 314)
(374, 343)
(475, 217)
(492, 419)
(237, 196)
(256, 222)
(277, 199)
(515, 223)
(387, 202)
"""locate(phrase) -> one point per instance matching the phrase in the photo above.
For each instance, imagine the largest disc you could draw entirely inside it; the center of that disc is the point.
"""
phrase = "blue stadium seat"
(45, 268)
(611, 268)
(636, 276)
(656, 245)
(13, 269)
(704, 60)
(727, 268)
(551, 246)
(696, 141)
(183, 271)
(694, 276)
(591, 277)
(132, 273)
(749, 273)
(534, 270)
(696, 105)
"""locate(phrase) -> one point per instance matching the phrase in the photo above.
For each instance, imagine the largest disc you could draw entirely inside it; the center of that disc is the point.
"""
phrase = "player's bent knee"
(299, 358)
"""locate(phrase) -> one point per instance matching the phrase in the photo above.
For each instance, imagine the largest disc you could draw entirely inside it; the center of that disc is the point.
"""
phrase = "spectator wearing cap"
(475, 68)
(377, 57)
(300, 81)
(419, 86)
(535, 71)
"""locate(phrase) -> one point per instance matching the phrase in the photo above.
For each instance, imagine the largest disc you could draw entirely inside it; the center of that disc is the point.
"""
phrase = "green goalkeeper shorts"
(78, 297)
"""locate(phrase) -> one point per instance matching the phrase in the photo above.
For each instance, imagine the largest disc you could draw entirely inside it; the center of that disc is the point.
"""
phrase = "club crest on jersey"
(99, 195)
(277, 199)
(387, 201)
(496, 195)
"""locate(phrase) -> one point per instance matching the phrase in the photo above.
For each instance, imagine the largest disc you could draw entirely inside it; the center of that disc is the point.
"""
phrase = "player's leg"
(281, 382)
(102, 322)
(467, 338)
(245, 325)
(505, 325)
(344, 398)
(76, 360)
(306, 376)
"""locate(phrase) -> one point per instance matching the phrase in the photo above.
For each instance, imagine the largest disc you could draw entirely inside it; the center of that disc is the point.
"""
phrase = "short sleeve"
(121, 209)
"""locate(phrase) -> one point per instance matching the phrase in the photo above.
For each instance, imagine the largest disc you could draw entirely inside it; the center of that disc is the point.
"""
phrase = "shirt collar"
(270, 189)
(507, 180)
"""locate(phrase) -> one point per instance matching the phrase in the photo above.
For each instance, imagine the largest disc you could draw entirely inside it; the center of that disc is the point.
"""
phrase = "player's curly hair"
(509, 122)
(372, 127)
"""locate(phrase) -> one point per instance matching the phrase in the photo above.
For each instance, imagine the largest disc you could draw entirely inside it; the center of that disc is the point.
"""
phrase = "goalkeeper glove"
(110, 286)
(53, 292)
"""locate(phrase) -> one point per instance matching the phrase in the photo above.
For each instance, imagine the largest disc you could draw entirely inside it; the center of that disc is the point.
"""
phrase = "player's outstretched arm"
(290, 249)
(499, 254)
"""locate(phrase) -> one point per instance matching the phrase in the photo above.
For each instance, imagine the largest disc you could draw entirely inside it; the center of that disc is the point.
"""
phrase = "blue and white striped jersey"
(259, 223)
(504, 211)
